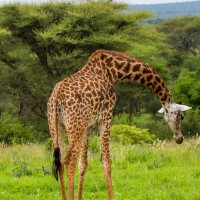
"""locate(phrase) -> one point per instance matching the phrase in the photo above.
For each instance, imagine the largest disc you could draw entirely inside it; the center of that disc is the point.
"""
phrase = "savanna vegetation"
(159, 171)
(40, 44)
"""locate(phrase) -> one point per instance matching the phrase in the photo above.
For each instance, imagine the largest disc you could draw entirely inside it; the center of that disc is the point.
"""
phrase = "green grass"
(158, 172)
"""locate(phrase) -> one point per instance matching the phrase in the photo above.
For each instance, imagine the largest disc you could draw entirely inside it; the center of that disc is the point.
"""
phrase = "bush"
(191, 123)
(190, 126)
(131, 134)
(13, 131)
(122, 119)
(154, 123)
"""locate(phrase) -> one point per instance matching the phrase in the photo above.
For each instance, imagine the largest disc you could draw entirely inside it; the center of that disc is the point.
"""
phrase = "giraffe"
(88, 96)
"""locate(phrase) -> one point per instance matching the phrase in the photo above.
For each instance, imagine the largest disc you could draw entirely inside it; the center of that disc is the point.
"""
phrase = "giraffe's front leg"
(105, 155)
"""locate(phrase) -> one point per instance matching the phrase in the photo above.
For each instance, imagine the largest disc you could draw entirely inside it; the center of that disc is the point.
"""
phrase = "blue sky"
(127, 1)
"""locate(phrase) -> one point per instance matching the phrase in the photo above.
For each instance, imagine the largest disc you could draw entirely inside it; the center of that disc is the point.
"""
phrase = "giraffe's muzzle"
(179, 139)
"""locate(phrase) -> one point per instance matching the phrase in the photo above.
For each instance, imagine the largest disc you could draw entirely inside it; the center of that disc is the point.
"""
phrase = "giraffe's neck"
(145, 75)
(120, 66)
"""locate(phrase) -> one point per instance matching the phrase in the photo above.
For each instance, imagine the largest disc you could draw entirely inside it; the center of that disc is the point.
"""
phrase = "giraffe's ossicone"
(88, 97)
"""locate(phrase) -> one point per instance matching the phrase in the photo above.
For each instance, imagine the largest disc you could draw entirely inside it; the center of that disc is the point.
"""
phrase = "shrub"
(190, 124)
(13, 131)
(122, 119)
(131, 134)
(154, 123)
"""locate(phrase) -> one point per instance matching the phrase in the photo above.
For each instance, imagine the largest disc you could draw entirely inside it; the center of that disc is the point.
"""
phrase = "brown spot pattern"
(87, 97)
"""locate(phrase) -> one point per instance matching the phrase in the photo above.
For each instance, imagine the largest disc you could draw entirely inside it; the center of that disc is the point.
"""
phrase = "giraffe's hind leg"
(82, 164)
(70, 160)
(61, 143)
(62, 185)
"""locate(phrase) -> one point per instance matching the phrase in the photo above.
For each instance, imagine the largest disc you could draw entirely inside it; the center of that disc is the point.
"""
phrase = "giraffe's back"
(80, 100)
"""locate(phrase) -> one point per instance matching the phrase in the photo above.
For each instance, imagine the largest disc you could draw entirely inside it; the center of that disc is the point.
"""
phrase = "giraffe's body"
(87, 97)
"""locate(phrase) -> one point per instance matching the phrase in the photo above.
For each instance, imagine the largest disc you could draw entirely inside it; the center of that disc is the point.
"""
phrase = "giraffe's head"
(173, 116)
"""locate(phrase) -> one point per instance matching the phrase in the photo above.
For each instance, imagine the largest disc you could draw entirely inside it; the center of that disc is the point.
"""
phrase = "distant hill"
(169, 10)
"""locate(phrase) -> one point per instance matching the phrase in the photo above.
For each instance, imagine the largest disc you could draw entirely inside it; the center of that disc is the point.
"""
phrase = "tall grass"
(162, 170)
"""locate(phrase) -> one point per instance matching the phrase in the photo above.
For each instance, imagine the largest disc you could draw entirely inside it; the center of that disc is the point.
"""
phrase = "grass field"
(158, 172)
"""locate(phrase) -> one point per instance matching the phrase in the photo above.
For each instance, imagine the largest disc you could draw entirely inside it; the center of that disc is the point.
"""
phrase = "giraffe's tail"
(56, 163)
(52, 108)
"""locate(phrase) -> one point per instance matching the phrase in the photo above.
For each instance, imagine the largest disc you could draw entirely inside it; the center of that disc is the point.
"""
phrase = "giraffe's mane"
(112, 53)
(121, 55)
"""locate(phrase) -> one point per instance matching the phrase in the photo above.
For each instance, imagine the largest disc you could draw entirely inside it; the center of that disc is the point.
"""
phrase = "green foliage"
(49, 144)
(190, 124)
(187, 89)
(121, 119)
(131, 134)
(154, 123)
(190, 64)
(42, 43)
(151, 104)
(157, 125)
(183, 33)
(13, 131)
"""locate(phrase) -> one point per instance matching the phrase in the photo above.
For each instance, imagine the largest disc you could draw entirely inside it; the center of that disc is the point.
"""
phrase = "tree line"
(40, 44)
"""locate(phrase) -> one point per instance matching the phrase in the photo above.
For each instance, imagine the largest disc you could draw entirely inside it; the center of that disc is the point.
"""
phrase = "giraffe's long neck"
(120, 66)
(145, 75)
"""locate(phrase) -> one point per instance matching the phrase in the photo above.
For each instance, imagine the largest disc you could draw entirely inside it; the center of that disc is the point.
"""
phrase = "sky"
(126, 1)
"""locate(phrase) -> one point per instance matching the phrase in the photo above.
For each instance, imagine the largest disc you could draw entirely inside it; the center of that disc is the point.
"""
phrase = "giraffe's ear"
(161, 111)
(182, 108)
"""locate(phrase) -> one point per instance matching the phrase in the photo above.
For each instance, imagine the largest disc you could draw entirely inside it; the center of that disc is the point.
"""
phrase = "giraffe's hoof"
(179, 139)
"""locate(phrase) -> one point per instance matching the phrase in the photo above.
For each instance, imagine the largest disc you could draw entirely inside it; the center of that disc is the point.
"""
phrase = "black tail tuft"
(56, 164)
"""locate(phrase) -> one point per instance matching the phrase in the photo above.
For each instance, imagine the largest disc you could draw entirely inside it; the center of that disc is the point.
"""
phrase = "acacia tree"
(182, 34)
(182, 37)
(40, 44)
